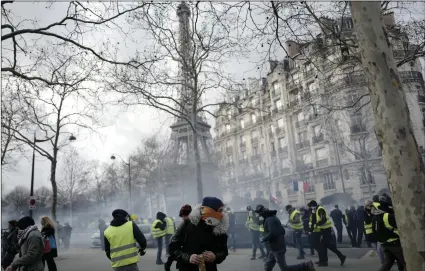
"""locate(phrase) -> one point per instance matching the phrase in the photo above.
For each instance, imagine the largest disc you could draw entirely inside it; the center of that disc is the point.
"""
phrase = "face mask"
(210, 216)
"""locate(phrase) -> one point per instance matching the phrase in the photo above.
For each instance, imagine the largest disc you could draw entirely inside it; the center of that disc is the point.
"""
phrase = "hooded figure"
(274, 235)
(200, 243)
(12, 247)
(31, 245)
(102, 227)
(159, 230)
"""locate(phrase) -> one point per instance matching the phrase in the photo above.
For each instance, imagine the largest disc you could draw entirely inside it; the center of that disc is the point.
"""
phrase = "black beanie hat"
(25, 222)
(119, 213)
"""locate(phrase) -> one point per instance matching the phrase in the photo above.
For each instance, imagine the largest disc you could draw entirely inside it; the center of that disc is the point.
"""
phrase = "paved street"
(94, 259)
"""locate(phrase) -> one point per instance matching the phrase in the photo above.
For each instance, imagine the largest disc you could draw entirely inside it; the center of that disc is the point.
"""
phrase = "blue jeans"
(159, 253)
(378, 248)
(296, 237)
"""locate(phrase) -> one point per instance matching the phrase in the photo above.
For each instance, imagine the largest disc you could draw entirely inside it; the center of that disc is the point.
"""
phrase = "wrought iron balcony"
(318, 138)
(279, 130)
(322, 162)
(229, 150)
(299, 123)
(421, 99)
(411, 76)
(302, 145)
(306, 95)
(242, 145)
(355, 129)
(254, 141)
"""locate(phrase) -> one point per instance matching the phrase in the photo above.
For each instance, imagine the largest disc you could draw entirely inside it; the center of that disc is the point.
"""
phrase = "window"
(370, 179)
(280, 123)
(254, 134)
(229, 114)
(242, 122)
(243, 155)
(276, 87)
(230, 158)
(317, 130)
(228, 143)
(300, 116)
(302, 137)
(349, 23)
(242, 139)
(254, 102)
(329, 183)
(279, 104)
(308, 67)
(310, 183)
(272, 127)
(228, 128)
(254, 118)
(306, 158)
(272, 146)
(254, 151)
(282, 142)
(346, 174)
(321, 154)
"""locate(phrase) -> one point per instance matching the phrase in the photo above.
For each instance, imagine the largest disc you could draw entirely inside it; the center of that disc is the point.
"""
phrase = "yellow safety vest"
(251, 225)
(157, 232)
(123, 247)
(368, 228)
(346, 218)
(327, 224)
(261, 228)
(388, 226)
(315, 229)
(298, 225)
(170, 226)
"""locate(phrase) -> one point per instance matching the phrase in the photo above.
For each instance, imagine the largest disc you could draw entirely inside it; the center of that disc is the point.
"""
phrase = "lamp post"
(71, 138)
(129, 174)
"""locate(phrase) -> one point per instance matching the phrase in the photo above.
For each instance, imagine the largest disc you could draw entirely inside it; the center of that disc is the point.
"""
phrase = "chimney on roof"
(388, 19)
(292, 48)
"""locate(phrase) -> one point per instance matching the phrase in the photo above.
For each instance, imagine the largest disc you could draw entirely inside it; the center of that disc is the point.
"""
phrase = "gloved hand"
(142, 252)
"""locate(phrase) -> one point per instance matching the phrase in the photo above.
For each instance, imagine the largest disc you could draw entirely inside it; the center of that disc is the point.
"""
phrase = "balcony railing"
(348, 81)
(421, 99)
(299, 123)
(411, 76)
(254, 141)
(242, 145)
(357, 129)
(318, 138)
(302, 145)
(322, 162)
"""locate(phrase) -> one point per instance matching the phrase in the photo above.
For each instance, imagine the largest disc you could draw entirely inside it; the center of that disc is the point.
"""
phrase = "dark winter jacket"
(337, 217)
(359, 216)
(49, 232)
(274, 233)
(31, 253)
(138, 235)
(306, 220)
(67, 229)
(12, 246)
(193, 236)
(231, 222)
(351, 218)
(368, 217)
(161, 216)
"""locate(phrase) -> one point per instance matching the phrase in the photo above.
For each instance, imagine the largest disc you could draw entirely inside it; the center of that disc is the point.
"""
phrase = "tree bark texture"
(402, 161)
(54, 187)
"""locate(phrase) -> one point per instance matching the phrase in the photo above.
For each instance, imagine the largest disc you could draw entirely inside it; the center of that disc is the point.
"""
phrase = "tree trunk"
(198, 166)
(403, 164)
(54, 187)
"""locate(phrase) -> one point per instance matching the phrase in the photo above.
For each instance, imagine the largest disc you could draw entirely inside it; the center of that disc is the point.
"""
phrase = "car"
(144, 228)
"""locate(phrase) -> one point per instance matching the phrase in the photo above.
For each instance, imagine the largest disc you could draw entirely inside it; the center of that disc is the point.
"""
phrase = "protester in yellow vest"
(171, 230)
(253, 224)
(120, 242)
(159, 230)
(321, 228)
(296, 223)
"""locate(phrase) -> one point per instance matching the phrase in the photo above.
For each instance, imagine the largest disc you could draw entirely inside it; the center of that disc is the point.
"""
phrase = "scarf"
(210, 216)
(23, 234)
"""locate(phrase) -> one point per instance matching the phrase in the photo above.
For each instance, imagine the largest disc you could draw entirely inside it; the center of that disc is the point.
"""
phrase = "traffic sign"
(32, 203)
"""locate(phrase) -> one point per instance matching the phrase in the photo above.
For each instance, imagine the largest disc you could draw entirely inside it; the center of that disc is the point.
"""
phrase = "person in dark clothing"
(352, 225)
(67, 230)
(12, 247)
(253, 223)
(102, 227)
(274, 235)
(59, 233)
(306, 220)
(231, 231)
(321, 227)
(359, 218)
(201, 240)
(162, 226)
(48, 232)
(337, 218)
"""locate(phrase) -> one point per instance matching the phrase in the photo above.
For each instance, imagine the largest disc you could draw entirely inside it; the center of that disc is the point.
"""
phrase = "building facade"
(306, 131)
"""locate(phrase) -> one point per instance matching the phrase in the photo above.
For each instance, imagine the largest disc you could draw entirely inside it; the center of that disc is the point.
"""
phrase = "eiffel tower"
(183, 168)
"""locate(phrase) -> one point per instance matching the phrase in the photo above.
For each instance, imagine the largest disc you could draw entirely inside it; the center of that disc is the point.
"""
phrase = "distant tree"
(18, 197)
(44, 197)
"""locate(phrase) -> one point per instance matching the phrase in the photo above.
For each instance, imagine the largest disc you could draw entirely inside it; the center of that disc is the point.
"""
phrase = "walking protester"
(12, 247)
(370, 236)
(48, 232)
(352, 225)
(337, 218)
(159, 230)
(102, 227)
(306, 226)
(31, 246)
(296, 223)
(321, 226)
(67, 230)
(384, 226)
(171, 230)
(359, 218)
(184, 213)
(231, 232)
(59, 233)
(253, 224)
(274, 235)
(200, 242)
(120, 242)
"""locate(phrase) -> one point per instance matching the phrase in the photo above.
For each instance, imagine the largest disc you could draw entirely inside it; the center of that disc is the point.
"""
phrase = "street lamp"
(129, 173)
(71, 138)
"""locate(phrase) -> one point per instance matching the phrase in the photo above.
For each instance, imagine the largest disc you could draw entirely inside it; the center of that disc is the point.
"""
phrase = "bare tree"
(18, 197)
(44, 196)
(74, 177)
